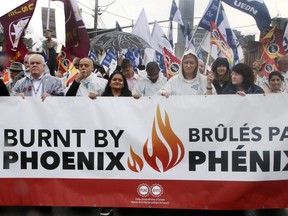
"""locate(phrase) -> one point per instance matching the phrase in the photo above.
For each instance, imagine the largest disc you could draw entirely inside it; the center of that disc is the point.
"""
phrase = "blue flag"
(160, 62)
(175, 15)
(93, 55)
(233, 44)
(255, 8)
(109, 57)
(210, 15)
(130, 55)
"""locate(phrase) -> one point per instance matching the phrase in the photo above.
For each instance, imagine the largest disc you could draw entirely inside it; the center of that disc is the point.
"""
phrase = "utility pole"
(48, 16)
(95, 17)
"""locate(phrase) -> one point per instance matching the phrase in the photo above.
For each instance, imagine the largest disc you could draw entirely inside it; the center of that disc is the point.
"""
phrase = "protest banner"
(187, 152)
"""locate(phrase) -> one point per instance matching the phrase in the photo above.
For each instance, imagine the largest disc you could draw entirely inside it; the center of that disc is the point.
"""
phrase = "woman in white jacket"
(189, 81)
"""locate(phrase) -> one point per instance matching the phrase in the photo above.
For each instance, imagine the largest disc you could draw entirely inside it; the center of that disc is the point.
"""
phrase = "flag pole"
(191, 39)
(48, 15)
(210, 47)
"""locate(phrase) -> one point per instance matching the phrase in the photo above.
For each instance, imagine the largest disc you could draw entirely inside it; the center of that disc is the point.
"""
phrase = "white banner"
(227, 136)
(185, 139)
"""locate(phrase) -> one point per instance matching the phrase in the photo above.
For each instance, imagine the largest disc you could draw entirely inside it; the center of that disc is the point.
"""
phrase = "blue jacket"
(254, 89)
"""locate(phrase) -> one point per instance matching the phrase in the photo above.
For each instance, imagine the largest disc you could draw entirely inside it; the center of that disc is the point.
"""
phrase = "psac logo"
(155, 190)
(163, 151)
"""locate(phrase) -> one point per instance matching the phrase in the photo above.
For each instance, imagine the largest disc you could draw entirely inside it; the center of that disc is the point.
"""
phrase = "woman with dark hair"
(275, 83)
(242, 81)
(222, 74)
(117, 86)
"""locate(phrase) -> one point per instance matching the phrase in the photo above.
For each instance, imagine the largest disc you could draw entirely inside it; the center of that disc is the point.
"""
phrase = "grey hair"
(37, 55)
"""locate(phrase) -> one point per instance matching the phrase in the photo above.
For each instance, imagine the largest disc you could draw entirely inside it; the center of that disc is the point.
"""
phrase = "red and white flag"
(65, 65)
(172, 63)
(218, 39)
(64, 59)
(15, 23)
(271, 45)
(268, 66)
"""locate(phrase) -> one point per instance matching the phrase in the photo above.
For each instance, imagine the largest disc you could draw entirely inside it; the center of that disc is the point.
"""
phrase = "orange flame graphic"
(168, 155)
(136, 160)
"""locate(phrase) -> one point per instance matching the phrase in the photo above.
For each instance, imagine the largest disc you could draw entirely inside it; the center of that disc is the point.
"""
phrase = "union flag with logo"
(15, 23)
(172, 63)
(65, 65)
(218, 39)
(271, 44)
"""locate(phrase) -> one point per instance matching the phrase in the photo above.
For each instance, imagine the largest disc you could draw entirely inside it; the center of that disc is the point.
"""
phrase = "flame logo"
(136, 161)
(166, 150)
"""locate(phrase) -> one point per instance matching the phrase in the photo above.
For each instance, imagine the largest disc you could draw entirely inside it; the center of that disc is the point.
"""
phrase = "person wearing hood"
(151, 84)
(189, 81)
(39, 83)
(222, 74)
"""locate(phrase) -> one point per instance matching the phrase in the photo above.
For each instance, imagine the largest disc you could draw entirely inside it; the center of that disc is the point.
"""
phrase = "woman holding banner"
(117, 86)
(242, 81)
(189, 81)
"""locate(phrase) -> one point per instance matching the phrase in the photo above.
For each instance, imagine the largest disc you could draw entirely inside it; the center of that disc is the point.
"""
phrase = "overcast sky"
(127, 11)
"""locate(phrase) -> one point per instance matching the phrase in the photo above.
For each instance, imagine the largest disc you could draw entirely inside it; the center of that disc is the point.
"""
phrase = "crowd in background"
(34, 78)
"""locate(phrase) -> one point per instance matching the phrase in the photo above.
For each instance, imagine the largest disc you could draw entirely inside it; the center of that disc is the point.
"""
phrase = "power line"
(119, 16)
(102, 23)
(108, 4)
(84, 6)
(81, 10)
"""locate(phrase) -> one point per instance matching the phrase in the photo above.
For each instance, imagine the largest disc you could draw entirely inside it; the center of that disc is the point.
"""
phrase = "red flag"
(218, 39)
(15, 23)
(77, 39)
(172, 63)
(268, 66)
(271, 44)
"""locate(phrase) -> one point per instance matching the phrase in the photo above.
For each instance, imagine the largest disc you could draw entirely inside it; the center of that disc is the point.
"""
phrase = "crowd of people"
(33, 78)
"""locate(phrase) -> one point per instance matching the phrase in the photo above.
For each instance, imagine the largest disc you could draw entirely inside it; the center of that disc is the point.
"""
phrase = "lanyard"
(38, 88)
